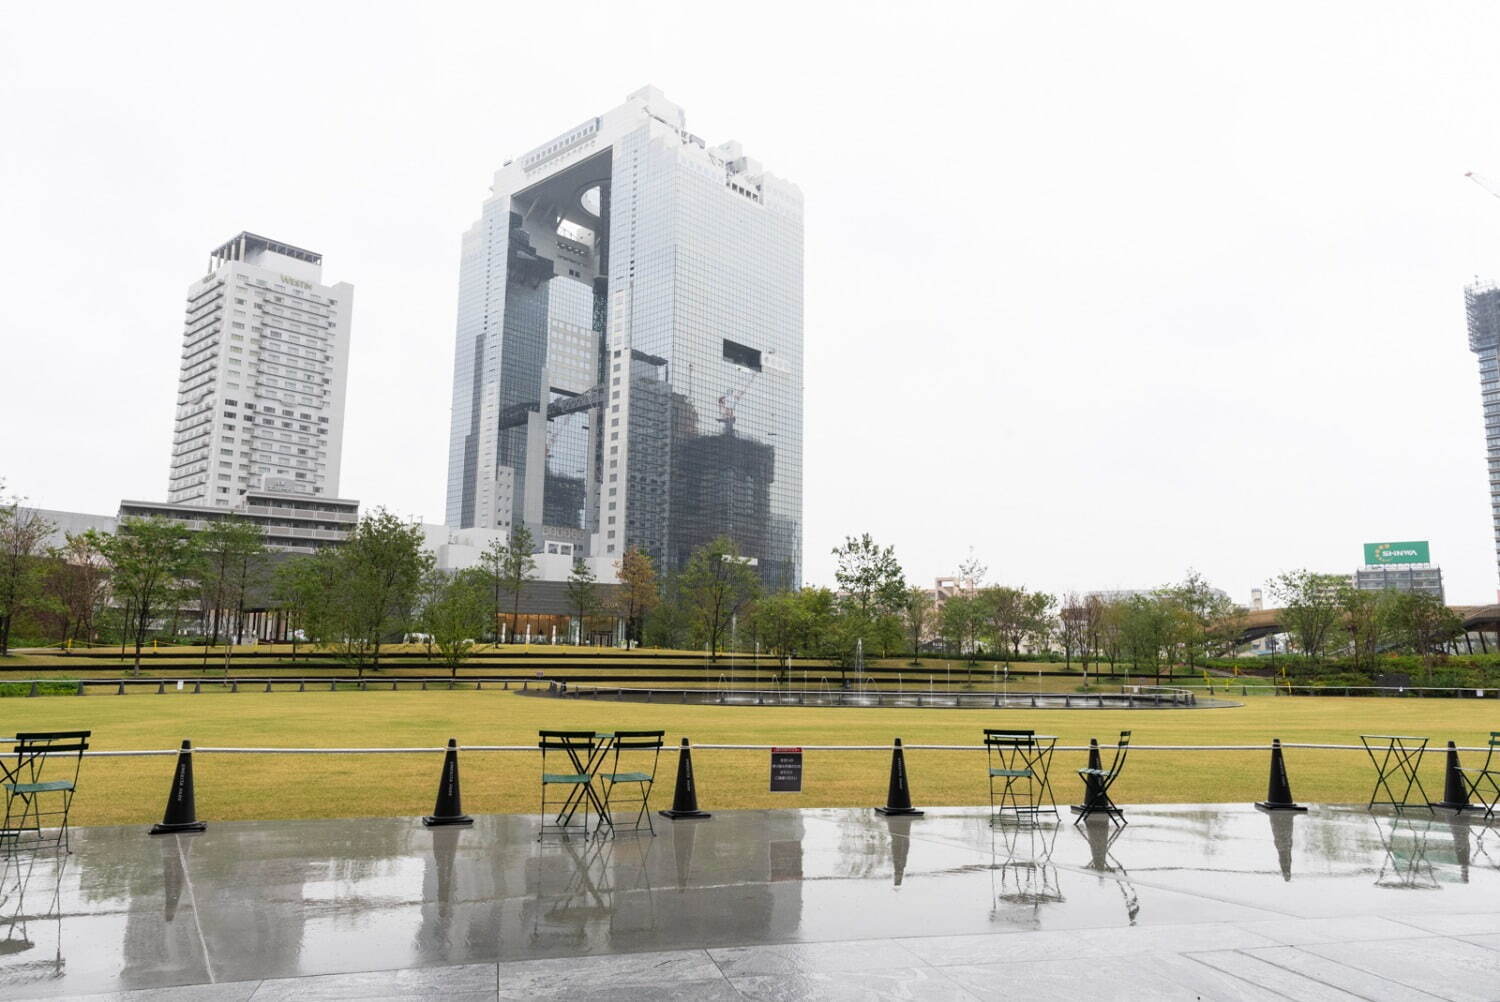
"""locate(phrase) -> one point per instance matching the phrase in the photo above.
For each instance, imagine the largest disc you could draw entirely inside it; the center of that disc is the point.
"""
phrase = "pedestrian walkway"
(1217, 902)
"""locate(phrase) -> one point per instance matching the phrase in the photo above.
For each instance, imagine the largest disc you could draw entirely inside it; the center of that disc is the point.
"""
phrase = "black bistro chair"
(39, 786)
(1484, 782)
(570, 756)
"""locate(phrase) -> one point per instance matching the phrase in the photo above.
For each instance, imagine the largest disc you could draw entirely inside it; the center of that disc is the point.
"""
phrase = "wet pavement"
(1218, 901)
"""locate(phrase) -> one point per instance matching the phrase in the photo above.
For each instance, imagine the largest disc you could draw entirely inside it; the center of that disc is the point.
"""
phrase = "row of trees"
(1324, 614)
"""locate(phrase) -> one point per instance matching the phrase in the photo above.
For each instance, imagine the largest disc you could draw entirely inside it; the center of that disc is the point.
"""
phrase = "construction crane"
(1483, 183)
(731, 399)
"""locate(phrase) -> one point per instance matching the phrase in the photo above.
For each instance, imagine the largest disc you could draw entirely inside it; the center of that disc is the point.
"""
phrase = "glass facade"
(643, 383)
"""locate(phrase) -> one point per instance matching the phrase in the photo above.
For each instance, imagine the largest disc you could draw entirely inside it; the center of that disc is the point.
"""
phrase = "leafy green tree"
(1146, 631)
(77, 585)
(583, 592)
(962, 618)
(716, 586)
(454, 614)
(1205, 617)
(511, 567)
(1421, 623)
(149, 560)
(872, 589)
(917, 609)
(22, 533)
(638, 595)
(225, 552)
(1006, 616)
(1039, 612)
(1365, 623)
(381, 569)
(1310, 608)
(304, 587)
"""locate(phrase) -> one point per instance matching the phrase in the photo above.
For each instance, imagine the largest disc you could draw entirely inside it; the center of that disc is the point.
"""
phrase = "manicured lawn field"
(133, 790)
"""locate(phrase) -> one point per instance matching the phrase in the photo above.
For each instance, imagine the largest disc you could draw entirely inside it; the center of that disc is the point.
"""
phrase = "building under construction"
(1482, 303)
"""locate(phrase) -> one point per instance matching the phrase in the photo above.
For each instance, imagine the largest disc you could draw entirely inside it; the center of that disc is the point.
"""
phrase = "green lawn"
(133, 790)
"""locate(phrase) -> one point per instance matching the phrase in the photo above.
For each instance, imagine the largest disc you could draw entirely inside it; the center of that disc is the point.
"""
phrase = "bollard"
(685, 796)
(234, 685)
(181, 814)
(33, 690)
(161, 687)
(333, 686)
(898, 796)
(1455, 790)
(197, 686)
(121, 690)
(393, 685)
(268, 685)
(1278, 790)
(80, 688)
(449, 807)
(302, 685)
(424, 685)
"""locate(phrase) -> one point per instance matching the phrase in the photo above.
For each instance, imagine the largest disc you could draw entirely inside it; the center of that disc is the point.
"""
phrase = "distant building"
(628, 356)
(291, 523)
(260, 395)
(1425, 579)
(1482, 305)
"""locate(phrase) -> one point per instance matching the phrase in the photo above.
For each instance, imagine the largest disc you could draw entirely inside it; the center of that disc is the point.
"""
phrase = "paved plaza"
(1186, 902)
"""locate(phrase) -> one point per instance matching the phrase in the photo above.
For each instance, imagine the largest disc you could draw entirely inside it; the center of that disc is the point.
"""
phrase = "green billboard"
(1411, 552)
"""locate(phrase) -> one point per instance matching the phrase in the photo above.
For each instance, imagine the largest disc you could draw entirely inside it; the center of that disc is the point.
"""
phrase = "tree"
(638, 594)
(1146, 630)
(1206, 618)
(302, 586)
(961, 619)
(455, 613)
(1006, 616)
(583, 592)
(1037, 610)
(22, 533)
(380, 570)
(77, 584)
(917, 609)
(716, 586)
(149, 559)
(971, 572)
(513, 566)
(225, 550)
(869, 577)
(1421, 623)
(1309, 608)
(1111, 642)
(1364, 622)
(1072, 627)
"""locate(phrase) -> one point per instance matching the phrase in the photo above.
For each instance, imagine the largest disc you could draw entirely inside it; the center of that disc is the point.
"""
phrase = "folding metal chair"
(635, 747)
(1009, 754)
(1097, 782)
(575, 775)
(30, 786)
(1484, 782)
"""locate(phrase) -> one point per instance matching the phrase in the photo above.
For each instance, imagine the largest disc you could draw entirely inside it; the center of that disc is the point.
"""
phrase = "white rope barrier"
(1105, 747)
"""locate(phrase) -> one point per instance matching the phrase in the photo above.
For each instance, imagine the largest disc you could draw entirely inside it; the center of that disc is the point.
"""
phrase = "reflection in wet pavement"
(246, 902)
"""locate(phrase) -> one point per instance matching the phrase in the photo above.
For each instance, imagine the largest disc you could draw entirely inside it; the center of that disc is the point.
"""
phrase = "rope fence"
(210, 750)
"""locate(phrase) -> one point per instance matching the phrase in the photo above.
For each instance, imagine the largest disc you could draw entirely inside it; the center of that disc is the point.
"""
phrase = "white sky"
(1104, 291)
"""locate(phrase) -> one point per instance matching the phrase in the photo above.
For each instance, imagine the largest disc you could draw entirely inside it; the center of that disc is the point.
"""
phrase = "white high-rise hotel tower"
(260, 399)
(628, 363)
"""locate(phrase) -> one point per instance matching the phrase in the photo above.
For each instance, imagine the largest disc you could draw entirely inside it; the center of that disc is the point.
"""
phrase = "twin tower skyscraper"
(628, 354)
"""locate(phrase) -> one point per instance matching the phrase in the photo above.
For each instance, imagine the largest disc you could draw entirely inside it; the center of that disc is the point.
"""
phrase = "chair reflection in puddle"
(1405, 865)
(30, 902)
(1023, 877)
(1101, 833)
(589, 885)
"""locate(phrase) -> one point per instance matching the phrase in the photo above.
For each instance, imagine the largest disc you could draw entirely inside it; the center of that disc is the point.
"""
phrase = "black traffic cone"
(449, 809)
(182, 811)
(898, 797)
(685, 797)
(1455, 790)
(1093, 784)
(1278, 790)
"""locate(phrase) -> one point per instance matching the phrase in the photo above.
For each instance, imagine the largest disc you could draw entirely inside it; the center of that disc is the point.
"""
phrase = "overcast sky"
(1102, 291)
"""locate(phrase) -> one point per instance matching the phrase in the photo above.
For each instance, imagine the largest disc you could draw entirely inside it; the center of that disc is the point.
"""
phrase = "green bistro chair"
(39, 786)
(1009, 753)
(1484, 782)
(640, 752)
(567, 783)
(1097, 782)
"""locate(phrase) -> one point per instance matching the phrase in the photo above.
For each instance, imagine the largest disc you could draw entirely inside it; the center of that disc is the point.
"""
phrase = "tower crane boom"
(1483, 183)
